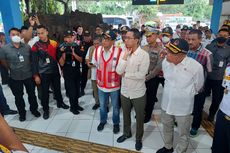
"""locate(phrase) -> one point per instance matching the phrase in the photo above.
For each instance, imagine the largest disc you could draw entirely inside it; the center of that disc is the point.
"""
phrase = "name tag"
(21, 58)
(73, 64)
(47, 60)
(221, 64)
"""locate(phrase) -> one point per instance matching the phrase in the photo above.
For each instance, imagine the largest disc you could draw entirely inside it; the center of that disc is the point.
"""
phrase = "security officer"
(46, 70)
(87, 42)
(69, 57)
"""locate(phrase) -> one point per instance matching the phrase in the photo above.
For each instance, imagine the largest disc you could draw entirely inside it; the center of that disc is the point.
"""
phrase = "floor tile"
(202, 141)
(80, 126)
(105, 138)
(152, 140)
(60, 125)
(203, 150)
(39, 125)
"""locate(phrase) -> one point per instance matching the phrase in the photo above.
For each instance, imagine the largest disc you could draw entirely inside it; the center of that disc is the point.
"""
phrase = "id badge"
(47, 60)
(21, 58)
(73, 64)
(221, 64)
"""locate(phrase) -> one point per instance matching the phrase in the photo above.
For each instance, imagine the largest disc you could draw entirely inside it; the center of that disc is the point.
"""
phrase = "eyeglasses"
(128, 38)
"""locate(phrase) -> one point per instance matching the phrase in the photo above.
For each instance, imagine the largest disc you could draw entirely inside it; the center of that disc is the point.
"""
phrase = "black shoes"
(165, 150)
(46, 115)
(146, 120)
(22, 118)
(95, 107)
(79, 108)
(101, 126)
(123, 138)
(116, 128)
(36, 113)
(63, 105)
(10, 112)
(138, 145)
(74, 111)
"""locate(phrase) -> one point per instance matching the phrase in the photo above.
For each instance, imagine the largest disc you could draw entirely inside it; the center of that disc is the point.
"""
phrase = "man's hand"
(37, 80)
(32, 21)
(62, 49)
(37, 20)
(127, 53)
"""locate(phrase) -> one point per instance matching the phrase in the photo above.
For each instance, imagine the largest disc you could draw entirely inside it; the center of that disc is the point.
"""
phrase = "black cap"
(178, 45)
(68, 33)
(110, 34)
(86, 33)
(167, 31)
(185, 27)
(124, 29)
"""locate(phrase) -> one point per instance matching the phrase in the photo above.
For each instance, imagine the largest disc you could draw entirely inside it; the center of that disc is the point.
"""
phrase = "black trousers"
(221, 139)
(4, 107)
(72, 86)
(17, 90)
(84, 75)
(199, 101)
(4, 75)
(217, 94)
(151, 94)
(46, 81)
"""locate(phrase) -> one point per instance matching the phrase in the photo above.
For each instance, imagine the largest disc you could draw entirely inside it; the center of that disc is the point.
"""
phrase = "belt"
(227, 117)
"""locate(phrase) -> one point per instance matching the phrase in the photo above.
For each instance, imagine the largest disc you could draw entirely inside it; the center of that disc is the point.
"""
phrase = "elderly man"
(108, 81)
(133, 66)
(184, 77)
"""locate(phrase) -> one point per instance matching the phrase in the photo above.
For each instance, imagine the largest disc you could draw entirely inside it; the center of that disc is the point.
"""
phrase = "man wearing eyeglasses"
(133, 66)
(108, 81)
(184, 77)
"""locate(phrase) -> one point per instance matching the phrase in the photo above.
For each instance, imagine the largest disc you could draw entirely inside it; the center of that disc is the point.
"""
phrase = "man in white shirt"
(221, 137)
(133, 66)
(108, 81)
(184, 78)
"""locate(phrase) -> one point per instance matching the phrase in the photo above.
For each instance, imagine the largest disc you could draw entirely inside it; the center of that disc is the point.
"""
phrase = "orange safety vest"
(107, 76)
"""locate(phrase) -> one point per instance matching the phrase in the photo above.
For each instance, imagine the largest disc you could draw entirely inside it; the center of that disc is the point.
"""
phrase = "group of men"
(187, 63)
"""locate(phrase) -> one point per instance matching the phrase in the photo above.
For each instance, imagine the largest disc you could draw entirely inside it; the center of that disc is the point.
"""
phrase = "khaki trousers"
(95, 91)
(184, 124)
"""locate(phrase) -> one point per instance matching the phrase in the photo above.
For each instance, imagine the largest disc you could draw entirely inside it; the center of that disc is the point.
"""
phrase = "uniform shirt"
(18, 60)
(182, 82)
(155, 60)
(71, 65)
(133, 73)
(204, 57)
(221, 57)
(206, 41)
(225, 104)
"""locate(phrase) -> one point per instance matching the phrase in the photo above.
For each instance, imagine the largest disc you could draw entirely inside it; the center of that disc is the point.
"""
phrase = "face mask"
(16, 39)
(221, 40)
(165, 39)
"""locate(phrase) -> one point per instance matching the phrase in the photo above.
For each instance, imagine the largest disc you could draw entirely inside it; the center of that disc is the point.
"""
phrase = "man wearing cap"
(152, 78)
(121, 42)
(183, 79)
(177, 32)
(46, 71)
(133, 66)
(167, 34)
(108, 81)
(86, 43)
(69, 57)
(183, 34)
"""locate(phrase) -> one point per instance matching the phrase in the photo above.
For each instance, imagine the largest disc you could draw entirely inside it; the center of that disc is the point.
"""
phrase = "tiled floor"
(84, 126)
